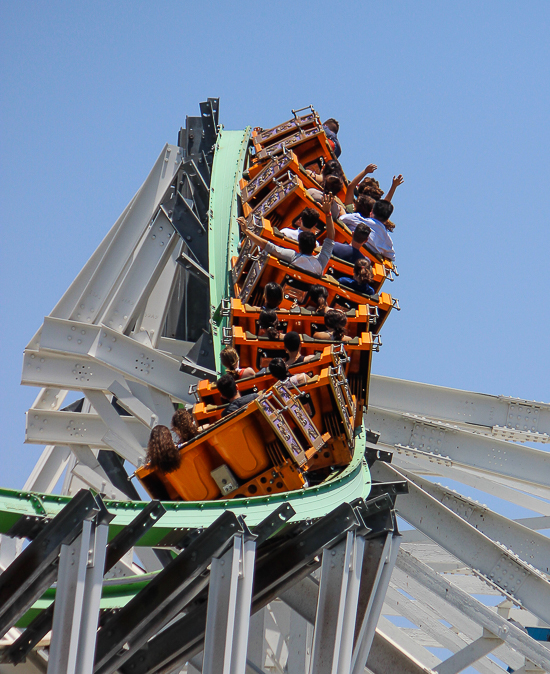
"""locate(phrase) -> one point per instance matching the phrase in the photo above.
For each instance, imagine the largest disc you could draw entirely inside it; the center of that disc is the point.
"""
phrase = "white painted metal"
(338, 595)
(500, 416)
(530, 546)
(376, 601)
(70, 428)
(459, 606)
(468, 655)
(69, 601)
(91, 600)
(228, 612)
(431, 625)
(493, 561)
(440, 440)
(48, 469)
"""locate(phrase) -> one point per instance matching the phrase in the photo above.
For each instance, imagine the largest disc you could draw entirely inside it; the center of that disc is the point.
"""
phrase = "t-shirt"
(379, 238)
(315, 264)
(293, 234)
(347, 252)
(363, 288)
(238, 403)
(351, 220)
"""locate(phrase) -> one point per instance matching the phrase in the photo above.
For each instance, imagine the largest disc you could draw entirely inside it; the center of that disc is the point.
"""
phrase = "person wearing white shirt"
(379, 238)
(363, 209)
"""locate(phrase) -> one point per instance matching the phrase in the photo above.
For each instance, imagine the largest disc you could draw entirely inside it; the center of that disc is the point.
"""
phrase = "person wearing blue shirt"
(362, 278)
(352, 252)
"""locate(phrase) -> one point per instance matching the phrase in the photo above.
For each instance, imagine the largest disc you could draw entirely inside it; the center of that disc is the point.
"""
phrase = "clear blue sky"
(455, 96)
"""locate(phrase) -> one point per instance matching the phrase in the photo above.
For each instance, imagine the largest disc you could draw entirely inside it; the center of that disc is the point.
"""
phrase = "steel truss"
(135, 330)
(203, 599)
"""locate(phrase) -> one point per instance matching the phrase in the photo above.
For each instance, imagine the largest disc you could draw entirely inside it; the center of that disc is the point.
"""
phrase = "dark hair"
(273, 294)
(292, 341)
(162, 453)
(277, 367)
(269, 322)
(370, 187)
(309, 216)
(361, 233)
(332, 124)
(227, 387)
(364, 205)
(230, 359)
(318, 294)
(333, 185)
(184, 424)
(307, 242)
(362, 271)
(382, 210)
(336, 321)
(333, 168)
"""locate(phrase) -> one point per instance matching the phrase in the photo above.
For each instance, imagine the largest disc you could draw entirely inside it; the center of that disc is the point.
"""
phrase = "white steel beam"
(442, 441)
(49, 399)
(499, 416)
(228, 613)
(530, 546)
(118, 437)
(417, 612)
(79, 428)
(134, 360)
(48, 469)
(486, 483)
(69, 601)
(469, 655)
(45, 368)
(460, 622)
(146, 267)
(91, 600)
(387, 656)
(132, 405)
(371, 617)
(153, 316)
(89, 306)
(406, 643)
(498, 565)
(337, 605)
(455, 600)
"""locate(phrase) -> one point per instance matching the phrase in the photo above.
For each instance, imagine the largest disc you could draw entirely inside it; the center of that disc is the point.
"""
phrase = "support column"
(228, 613)
(91, 601)
(374, 607)
(337, 606)
(73, 561)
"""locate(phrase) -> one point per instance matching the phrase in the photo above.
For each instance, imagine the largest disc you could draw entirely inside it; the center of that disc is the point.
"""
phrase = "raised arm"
(371, 168)
(326, 206)
(397, 180)
(254, 237)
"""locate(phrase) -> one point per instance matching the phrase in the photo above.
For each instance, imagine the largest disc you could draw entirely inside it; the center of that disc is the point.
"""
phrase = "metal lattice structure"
(177, 584)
